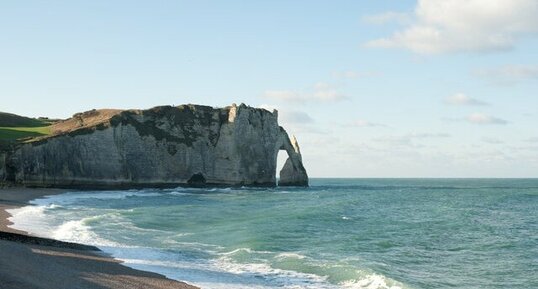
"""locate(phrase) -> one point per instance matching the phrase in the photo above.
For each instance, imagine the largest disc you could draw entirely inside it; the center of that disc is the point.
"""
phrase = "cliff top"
(23, 129)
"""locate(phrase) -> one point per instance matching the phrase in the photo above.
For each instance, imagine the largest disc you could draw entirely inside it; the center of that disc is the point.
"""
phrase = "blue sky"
(425, 88)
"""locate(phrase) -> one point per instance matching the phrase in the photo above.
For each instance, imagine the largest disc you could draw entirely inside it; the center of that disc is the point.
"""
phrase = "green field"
(13, 133)
(14, 127)
(13, 120)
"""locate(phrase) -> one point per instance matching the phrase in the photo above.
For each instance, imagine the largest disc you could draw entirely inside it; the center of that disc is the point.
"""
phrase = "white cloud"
(443, 26)
(289, 116)
(296, 122)
(480, 118)
(492, 140)
(297, 117)
(326, 95)
(386, 17)
(321, 92)
(509, 74)
(463, 99)
(322, 86)
(281, 94)
(410, 139)
(365, 123)
(427, 135)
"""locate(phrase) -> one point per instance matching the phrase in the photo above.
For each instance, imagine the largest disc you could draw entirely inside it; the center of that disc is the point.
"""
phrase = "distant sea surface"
(338, 233)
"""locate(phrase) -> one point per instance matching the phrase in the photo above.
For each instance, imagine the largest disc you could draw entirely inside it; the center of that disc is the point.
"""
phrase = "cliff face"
(163, 146)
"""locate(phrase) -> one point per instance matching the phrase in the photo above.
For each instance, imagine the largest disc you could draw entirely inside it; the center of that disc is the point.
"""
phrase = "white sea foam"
(170, 240)
(54, 206)
(270, 276)
(194, 191)
(72, 197)
(78, 232)
(40, 220)
(290, 255)
(282, 192)
(247, 250)
(220, 190)
(203, 273)
(74, 231)
(27, 211)
(31, 219)
(243, 250)
(223, 272)
(218, 273)
(371, 281)
(175, 193)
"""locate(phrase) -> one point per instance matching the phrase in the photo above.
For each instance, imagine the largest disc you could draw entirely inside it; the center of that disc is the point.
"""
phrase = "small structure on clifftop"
(160, 147)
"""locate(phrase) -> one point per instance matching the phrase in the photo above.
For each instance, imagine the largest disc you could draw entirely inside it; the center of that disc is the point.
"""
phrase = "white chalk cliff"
(162, 147)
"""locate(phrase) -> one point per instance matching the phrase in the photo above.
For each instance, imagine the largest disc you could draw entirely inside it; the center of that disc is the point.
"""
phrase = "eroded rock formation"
(164, 146)
(293, 173)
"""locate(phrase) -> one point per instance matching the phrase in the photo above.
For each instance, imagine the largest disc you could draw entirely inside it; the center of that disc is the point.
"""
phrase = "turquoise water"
(339, 233)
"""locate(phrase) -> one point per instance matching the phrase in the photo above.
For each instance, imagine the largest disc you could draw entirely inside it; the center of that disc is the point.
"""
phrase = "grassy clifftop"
(15, 127)
(13, 120)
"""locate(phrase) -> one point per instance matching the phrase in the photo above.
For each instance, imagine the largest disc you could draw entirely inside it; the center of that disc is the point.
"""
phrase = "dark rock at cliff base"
(165, 146)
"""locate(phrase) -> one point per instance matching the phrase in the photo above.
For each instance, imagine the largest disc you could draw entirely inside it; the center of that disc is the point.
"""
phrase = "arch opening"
(282, 156)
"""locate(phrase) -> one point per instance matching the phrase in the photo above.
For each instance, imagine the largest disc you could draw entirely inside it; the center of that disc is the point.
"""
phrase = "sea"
(337, 233)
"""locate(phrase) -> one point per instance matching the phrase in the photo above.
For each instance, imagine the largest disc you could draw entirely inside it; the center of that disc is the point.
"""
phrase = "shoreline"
(32, 262)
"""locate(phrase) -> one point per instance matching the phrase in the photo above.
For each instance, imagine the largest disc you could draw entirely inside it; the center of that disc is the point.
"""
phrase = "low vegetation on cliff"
(15, 128)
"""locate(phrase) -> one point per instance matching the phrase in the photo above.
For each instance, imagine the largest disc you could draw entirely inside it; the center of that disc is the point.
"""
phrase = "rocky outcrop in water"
(293, 173)
(160, 147)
